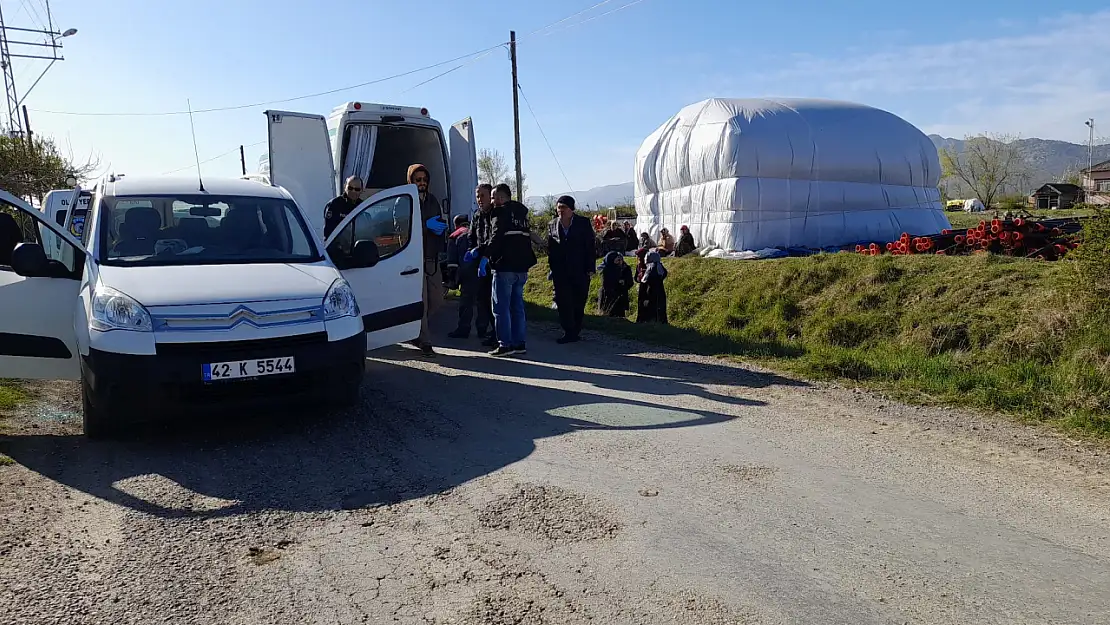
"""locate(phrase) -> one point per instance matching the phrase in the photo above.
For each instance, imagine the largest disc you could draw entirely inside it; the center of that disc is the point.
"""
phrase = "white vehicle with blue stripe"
(182, 296)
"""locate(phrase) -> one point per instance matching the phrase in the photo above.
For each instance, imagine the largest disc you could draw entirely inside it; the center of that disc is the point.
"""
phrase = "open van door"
(301, 161)
(37, 337)
(390, 293)
(464, 169)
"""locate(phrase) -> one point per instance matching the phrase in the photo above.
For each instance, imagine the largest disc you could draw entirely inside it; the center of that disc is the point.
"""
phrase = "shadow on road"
(421, 429)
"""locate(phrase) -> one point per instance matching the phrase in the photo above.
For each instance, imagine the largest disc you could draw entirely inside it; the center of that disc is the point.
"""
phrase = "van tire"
(345, 390)
(95, 414)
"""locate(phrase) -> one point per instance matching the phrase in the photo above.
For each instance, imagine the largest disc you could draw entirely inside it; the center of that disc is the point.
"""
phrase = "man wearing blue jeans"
(510, 256)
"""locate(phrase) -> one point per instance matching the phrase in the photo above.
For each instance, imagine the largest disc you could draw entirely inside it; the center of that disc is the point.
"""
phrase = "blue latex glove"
(482, 267)
(470, 255)
(437, 225)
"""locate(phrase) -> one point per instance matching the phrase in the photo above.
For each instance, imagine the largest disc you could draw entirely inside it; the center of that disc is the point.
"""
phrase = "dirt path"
(593, 483)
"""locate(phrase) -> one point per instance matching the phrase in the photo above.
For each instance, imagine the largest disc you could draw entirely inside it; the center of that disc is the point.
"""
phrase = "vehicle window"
(18, 227)
(387, 222)
(203, 229)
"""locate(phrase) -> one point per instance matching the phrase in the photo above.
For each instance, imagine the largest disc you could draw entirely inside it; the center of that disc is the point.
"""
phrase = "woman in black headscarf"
(652, 304)
(616, 280)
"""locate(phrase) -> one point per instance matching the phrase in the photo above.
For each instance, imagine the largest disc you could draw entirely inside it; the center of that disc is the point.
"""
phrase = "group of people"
(620, 238)
(488, 257)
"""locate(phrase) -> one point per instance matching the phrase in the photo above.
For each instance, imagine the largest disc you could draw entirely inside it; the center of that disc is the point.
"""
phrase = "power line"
(477, 53)
(271, 102)
(620, 8)
(217, 157)
(568, 18)
(544, 135)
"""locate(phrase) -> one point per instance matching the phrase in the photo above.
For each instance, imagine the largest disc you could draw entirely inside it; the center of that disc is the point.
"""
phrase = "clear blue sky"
(598, 88)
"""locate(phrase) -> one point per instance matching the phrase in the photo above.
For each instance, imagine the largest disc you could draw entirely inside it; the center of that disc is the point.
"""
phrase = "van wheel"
(344, 390)
(95, 416)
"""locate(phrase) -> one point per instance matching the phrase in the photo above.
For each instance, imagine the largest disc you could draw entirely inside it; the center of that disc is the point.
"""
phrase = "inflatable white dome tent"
(756, 173)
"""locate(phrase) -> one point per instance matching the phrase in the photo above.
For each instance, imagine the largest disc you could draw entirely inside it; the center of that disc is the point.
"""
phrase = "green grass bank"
(991, 333)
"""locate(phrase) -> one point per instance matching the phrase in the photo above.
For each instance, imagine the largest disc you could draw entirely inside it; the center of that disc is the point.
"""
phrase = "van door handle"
(410, 271)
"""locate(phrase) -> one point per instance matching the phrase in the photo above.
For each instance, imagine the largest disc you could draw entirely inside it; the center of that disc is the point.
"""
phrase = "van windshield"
(202, 230)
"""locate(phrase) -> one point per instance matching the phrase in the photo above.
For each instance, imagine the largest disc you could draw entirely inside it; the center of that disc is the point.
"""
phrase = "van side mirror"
(29, 260)
(365, 254)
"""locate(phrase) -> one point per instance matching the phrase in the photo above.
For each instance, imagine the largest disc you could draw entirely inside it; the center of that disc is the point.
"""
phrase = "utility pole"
(243, 160)
(516, 119)
(1090, 153)
(51, 36)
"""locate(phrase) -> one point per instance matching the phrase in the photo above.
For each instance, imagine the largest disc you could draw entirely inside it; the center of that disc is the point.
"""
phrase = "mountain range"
(1049, 161)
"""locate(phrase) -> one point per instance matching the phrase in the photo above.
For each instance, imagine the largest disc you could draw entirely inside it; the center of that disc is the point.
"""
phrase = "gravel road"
(601, 482)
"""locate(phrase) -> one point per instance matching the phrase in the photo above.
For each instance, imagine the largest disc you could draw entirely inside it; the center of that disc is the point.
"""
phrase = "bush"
(1091, 263)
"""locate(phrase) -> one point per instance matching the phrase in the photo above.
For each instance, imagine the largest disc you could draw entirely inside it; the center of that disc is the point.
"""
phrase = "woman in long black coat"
(616, 281)
(652, 304)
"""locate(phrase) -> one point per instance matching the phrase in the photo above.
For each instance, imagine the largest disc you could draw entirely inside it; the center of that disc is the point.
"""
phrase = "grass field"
(11, 395)
(984, 332)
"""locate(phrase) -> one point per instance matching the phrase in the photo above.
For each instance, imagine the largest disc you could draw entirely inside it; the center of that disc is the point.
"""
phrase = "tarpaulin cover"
(749, 174)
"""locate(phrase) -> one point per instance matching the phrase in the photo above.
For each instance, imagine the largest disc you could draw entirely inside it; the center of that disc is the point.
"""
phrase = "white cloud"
(1044, 83)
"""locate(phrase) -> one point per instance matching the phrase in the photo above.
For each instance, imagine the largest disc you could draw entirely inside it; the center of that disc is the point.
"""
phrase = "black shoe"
(502, 351)
(427, 351)
(458, 334)
(563, 340)
(520, 349)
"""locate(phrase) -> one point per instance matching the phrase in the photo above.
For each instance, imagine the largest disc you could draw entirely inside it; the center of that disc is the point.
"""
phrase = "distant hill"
(1049, 161)
(609, 195)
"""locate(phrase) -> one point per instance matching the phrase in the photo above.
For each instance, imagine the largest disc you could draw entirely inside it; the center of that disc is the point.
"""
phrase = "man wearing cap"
(571, 250)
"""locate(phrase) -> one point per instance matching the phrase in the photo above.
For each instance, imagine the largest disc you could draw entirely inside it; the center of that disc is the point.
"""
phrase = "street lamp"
(69, 32)
(1090, 123)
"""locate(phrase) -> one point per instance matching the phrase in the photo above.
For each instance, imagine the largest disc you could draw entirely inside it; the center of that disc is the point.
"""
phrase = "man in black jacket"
(481, 232)
(572, 255)
(338, 209)
(510, 256)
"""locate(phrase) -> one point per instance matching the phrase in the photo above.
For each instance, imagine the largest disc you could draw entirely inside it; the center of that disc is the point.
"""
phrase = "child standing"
(462, 274)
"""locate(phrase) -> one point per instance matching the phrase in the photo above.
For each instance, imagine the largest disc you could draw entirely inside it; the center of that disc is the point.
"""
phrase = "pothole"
(548, 512)
(749, 472)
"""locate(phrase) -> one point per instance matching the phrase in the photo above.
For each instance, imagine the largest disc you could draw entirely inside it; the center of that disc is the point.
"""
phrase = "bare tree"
(988, 165)
(492, 169)
(491, 166)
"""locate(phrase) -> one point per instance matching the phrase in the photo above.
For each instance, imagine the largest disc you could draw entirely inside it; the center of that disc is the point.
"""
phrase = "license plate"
(248, 368)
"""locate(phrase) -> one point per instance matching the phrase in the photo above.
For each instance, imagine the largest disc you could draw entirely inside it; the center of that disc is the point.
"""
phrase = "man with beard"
(431, 215)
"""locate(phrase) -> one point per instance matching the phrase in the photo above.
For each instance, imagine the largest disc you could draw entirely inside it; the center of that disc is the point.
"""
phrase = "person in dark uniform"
(340, 207)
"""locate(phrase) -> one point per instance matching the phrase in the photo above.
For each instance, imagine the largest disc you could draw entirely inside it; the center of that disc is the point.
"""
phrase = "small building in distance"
(1057, 195)
(1096, 180)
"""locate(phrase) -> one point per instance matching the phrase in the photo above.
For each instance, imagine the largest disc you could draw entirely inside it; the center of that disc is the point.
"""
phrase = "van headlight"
(112, 310)
(340, 301)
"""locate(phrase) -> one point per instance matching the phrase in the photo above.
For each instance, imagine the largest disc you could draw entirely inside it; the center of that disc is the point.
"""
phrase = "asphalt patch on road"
(549, 512)
(749, 472)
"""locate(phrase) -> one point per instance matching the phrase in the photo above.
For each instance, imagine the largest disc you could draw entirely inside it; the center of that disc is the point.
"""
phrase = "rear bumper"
(171, 382)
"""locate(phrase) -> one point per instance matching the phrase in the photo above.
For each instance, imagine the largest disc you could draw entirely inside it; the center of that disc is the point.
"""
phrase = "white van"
(185, 297)
(311, 156)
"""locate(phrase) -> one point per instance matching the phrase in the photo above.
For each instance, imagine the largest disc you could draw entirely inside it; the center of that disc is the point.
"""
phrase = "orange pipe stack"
(1048, 239)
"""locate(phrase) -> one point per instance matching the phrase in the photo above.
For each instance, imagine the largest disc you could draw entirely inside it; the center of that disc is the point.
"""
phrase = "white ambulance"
(311, 155)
